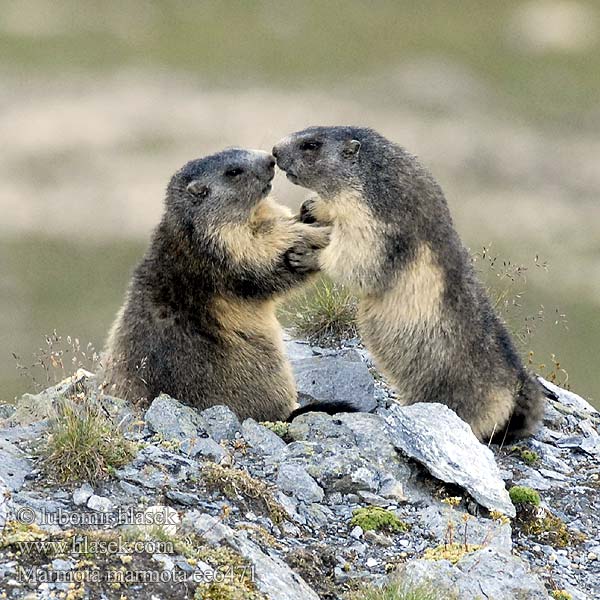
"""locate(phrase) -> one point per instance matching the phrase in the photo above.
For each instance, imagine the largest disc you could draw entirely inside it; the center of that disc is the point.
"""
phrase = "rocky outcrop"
(273, 509)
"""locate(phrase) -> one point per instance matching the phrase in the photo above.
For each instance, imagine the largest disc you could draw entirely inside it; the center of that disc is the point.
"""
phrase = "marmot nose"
(274, 151)
(271, 161)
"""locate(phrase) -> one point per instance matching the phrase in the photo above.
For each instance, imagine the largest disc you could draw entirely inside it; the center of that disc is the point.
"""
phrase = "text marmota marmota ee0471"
(422, 313)
(199, 321)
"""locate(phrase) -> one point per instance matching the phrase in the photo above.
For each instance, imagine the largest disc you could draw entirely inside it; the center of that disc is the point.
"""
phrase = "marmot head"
(220, 188)
(323, 159)
(333, 160)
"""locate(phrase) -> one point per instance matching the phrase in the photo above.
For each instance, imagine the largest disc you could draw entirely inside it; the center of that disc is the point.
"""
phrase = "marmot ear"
(197, 189)
(351, 148)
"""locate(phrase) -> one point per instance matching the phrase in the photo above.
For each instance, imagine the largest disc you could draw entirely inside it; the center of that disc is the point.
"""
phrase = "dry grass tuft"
(324, 314)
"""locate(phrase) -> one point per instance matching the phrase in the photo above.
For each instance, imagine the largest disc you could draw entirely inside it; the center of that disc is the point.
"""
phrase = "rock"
(162, 518)
(272, 576)
(221, 422)
(118, 410)
(31, 408)
(294, 480)
(24, 433)
(479, 531)
(374, 441)
(154, 467)
(317, 426)
(297, 350)
(435, 436)
(262, 440)
(377, 538)
(204, 448)
(532, 478)
(82, 494)
(7, 411)
(14, 465)
(173, 420)
(99, 503)
(330, 379)
(4, 493)
(485, 573)
(61, 565)
(569, 399)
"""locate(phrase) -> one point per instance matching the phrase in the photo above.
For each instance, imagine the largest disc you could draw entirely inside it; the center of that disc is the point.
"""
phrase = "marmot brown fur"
(198, 322)
(422, 312)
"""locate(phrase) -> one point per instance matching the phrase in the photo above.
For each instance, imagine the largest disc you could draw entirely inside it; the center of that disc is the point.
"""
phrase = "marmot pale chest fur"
(198, 322)
(422, 312)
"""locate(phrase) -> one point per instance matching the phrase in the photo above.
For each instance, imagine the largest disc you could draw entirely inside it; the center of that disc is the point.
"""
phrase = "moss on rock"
(520, 494)
(375, 518)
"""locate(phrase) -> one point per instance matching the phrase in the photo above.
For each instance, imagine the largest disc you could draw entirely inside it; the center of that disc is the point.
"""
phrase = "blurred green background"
(101, 101)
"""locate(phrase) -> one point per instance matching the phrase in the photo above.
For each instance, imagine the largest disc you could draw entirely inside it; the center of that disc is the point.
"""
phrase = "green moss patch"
(374, 518)
(520, 494)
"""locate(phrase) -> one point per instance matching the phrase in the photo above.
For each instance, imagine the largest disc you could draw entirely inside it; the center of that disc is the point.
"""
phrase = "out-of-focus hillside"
(101, 102)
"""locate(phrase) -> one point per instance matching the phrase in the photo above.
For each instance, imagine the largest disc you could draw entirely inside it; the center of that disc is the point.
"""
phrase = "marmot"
(198, 322)
(422, 312)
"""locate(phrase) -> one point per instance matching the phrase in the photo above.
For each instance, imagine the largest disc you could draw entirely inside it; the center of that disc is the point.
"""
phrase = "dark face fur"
(323, 159)
(220, 188)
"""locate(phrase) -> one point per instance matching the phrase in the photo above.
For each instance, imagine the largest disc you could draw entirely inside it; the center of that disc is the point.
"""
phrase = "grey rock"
(99, 503)
(184, 498)
(133, 491)
(374, 441)
(118, 410)
(551, 456)
(533, 479)
(479, 531)
(272, 576)
(357, 532)
(294, 480)
(61, 565)
(7, 411)
(204, 448)
(378, 538)
(317, 426)
(155, 467)
(591, 443)
(165, 561)
(435, 436)
(14, 465)
(262, 440)
(486, 573)
(173, 420)
(4, 492)
(82, 494)
(297, 350)
(330, 379)
(338, 469)
(221, 422)
(373, 499)
(570, 399)
(31, 408)
(24, 433)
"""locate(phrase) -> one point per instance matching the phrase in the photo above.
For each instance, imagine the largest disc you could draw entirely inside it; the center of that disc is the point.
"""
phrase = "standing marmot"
(423, 314)
(199, 321)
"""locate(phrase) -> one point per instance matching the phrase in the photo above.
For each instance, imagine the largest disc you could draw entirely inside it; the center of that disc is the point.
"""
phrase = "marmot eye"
(310, 145)
(234, 172)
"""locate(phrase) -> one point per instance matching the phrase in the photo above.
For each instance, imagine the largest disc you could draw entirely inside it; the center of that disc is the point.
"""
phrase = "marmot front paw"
(312, 211)
(303, 256)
